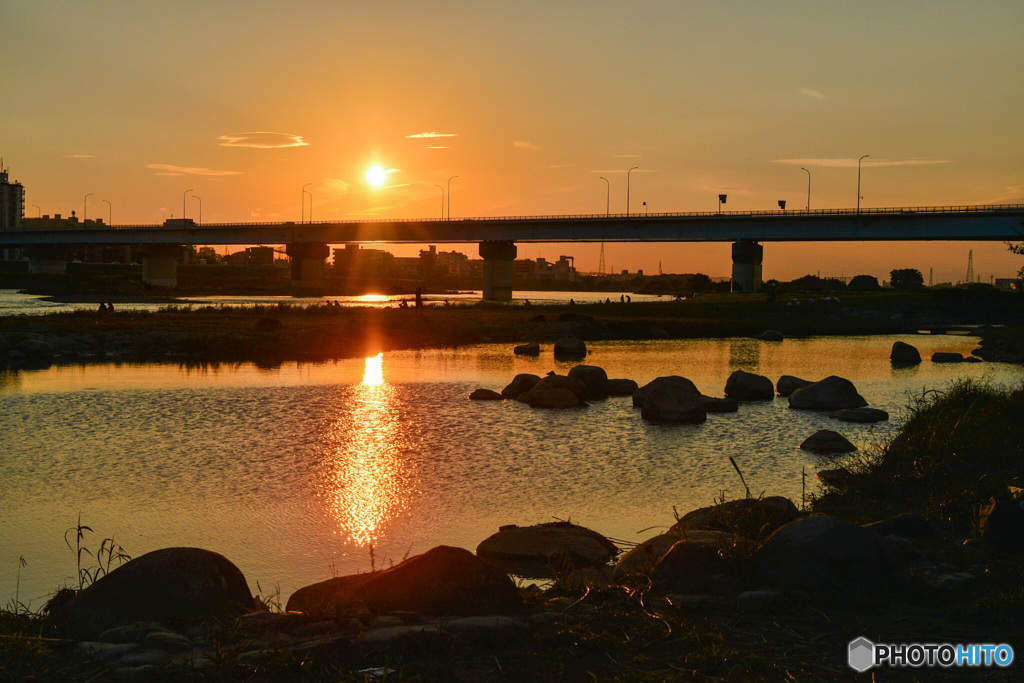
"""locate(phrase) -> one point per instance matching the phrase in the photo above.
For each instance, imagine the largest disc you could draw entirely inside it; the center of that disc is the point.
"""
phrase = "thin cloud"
(262, 140)
(438, 147)
(625, 156)
(168, 174)
(337, 185)
(432, 134)
(852, 163)
(79, 156)
(626, 170)
(178, 170)
(808, 92)
(521, 144)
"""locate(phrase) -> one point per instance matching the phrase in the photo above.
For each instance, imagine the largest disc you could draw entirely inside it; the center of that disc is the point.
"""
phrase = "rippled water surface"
(295, 472)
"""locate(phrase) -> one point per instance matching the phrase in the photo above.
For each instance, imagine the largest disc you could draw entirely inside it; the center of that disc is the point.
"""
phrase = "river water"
(295, 472)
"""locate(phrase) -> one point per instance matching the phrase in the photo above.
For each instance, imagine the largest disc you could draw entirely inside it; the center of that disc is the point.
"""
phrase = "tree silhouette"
(906, 279)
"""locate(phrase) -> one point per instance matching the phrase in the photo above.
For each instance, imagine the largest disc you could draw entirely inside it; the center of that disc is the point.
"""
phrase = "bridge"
(306, 243)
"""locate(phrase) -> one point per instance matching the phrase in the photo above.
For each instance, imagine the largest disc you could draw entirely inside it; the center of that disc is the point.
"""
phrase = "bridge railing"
(775, 213)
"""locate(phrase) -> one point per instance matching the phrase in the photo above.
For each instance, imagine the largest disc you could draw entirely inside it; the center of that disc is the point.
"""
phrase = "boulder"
(521, 383)
(746, 386)
(550, 398)
(861, 415)
(719, 405)
(749, 517)
(643, 558)
(787, 384)
(688, 567)
(443, 580)
(943, 357)
(770, 335)
(823, 553)
(827, 441)
(593, 378)
(34, 349)
(621, 387)
(332, 596)
(167, 584)
(536, 544)
(681, 383)
(908, 525)
(672, 403)
(486, 395)
(531, 349)
(904, 355)
(570, 348)
(831, 393)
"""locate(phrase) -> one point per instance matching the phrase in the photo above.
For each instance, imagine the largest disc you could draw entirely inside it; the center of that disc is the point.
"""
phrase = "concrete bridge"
(306, 243)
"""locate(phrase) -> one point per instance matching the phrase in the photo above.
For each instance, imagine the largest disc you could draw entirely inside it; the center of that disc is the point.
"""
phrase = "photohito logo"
(863, 654)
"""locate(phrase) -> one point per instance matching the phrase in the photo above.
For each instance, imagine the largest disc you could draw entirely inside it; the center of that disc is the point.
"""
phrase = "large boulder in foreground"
(823, 553)
(827, 441)
(164, 585)
(538, 543)
(746, 386)
(643, 558)
(329, 597)
(947, 357)
(670, 403)
(689, 566)
(787, 384)
(831, 393)
(904, 355)
(682, 384)
(593, 378)
(520, 384)
(749, 517)
(569, 348)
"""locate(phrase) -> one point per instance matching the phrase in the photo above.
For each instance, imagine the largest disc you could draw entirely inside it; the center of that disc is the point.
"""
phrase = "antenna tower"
(970, 267)
(600, 262)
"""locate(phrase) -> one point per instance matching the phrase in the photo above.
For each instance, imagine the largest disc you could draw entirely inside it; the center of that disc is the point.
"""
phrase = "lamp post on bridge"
(184, 196)
(442, 199)
(200, 208)
(450, 196)
(607, 197)
(39, 212)
(110, 212)
(808, 188)
(85, 209)
(627, 188)
(302, 218)
(721, 200)
(858, 180)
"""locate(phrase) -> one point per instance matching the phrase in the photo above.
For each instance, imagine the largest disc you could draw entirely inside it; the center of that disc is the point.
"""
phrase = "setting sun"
(376, 176)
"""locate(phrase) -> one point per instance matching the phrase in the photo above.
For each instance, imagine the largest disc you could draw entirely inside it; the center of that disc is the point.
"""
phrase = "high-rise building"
(12, 202)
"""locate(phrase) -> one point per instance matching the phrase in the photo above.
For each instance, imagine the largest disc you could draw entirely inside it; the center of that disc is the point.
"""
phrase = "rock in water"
(862, 415)
(595, 380)
(669, 403)
(750, 517)
(943, 357)
(520, 384)
(787, 384)
(485, 395)
(583, 547)
(827, 441)
(682, 384)
(168, 584)
(831, 393)
(531, 349)
(904, 355)
(746, 386)
(621, 387)
(570, 348)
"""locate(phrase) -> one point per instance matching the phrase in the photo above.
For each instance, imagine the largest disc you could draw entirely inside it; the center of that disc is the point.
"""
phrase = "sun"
(376, 176)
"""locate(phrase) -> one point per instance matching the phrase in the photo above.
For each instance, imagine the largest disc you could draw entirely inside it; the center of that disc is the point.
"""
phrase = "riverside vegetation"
(958, 449)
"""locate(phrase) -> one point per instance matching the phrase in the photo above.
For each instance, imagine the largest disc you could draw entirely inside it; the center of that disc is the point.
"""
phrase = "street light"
(304, 193)
(645, 208)
(110, 211)
(782, 204)
(858, 180)
(450, 196)
(607, 198)
(85, 209)
(39, 211)
(200, 208)
(627, 188)
(808, 188)
(183, 196)
(442, 199)
(721, 200)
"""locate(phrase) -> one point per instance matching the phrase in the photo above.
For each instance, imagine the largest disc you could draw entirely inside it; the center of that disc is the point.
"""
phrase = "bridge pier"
(498, 258)
(746, 265)
(49, 260)
(307, 264)
(160, 264)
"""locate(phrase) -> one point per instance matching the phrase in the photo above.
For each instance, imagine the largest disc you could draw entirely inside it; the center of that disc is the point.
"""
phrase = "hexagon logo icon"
(861, 655)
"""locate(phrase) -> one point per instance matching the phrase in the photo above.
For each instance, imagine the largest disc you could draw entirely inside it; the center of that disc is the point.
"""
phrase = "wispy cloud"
(558, 166)
(438, 147)
(336, 185)
(625, 156)
(168, 174)
(522, 144)
(262, 140)
(432, 134)
(79, 156)
(809, 92)
(852, 163)
(189, 171)
(625, 170)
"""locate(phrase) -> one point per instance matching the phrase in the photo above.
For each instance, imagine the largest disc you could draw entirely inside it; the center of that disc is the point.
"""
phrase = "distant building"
(1009, 283)
(12, 210)
(354, 260)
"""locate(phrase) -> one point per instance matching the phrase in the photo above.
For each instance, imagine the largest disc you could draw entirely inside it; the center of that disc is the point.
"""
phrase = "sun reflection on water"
(364, 477)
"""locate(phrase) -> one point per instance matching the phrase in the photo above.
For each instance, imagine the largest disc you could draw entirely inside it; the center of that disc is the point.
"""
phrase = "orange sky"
(531, 102)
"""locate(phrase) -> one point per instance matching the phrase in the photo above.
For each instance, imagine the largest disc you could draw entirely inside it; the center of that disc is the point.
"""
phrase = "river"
(296, 472)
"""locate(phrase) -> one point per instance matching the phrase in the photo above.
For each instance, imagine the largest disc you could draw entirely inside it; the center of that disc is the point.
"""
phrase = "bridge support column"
(307, 265)
(498, 258)
(48, 259)
(746, 265)
(160, 264)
